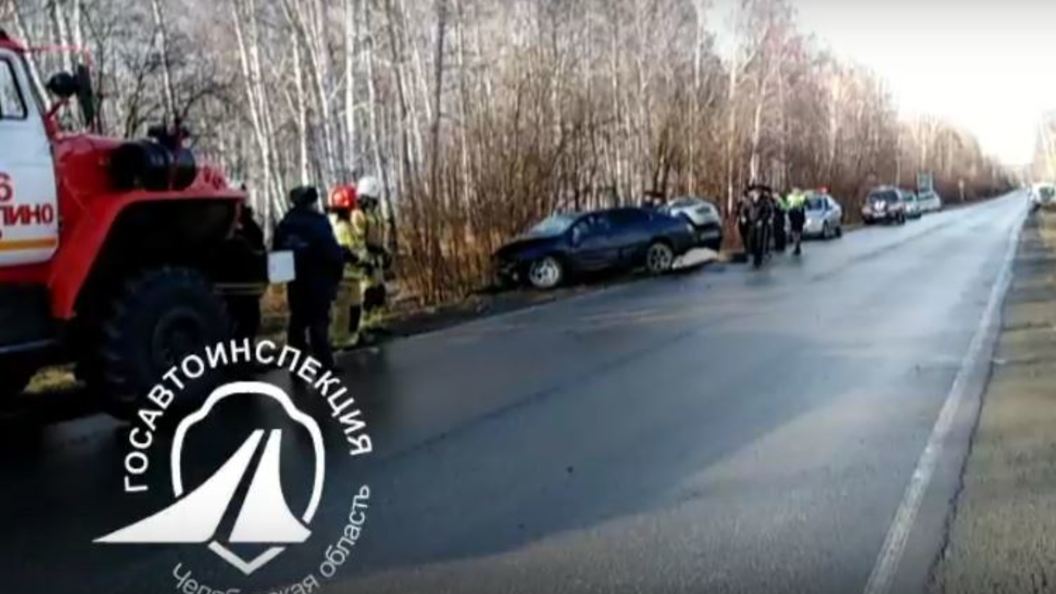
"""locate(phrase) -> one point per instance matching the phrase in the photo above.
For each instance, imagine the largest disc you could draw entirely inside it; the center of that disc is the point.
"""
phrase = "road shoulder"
(1001, 533)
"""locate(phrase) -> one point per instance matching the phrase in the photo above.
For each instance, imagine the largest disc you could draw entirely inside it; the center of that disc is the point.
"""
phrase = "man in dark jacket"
(756, 208)
(780, 216)
(245, 251)
(319, 262)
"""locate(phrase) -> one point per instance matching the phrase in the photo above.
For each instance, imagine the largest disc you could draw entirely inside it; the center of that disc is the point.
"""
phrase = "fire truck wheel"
(158, 319)
(13, 378)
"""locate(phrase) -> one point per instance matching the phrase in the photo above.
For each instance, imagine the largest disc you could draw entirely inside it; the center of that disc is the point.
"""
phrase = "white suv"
(929, 201)
(1042, 194)
(702, 215)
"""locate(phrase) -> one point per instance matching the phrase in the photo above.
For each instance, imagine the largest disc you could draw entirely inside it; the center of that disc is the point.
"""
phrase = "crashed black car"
(565, 245)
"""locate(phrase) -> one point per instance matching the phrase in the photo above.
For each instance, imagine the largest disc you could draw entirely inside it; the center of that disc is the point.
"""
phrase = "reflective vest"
(345, 236)
(367, 232)
(374, 234)
(342, 232)
(359, 226)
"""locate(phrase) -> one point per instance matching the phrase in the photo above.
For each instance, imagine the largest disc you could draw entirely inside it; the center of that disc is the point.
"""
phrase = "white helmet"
(369, 187)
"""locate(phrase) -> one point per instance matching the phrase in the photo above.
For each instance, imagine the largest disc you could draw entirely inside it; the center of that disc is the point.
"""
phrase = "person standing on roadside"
(797, 217)
(744, 218)
(318, 261)
(344, 325)
(780, 217)
(653, 200)
(369, 236)
(247, 245)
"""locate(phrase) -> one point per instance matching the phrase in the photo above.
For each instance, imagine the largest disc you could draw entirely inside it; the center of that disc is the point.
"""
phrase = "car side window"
(628, 216)
(580, 230)
(601, 224)
(590, 226)
(12, 106)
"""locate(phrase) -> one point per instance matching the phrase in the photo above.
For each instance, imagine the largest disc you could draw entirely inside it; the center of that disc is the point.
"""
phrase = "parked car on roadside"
(929, 201)
(884, 205)
(565, 245)
(824, 217)
(703, 215)
(914, 210)
(1042, 194)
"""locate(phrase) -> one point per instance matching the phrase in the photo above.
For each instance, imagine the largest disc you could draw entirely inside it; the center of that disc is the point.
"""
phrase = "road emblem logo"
(264, 517)
(247, 485)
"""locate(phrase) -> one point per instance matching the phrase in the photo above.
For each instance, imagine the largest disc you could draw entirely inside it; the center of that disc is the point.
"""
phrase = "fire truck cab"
(120, 256)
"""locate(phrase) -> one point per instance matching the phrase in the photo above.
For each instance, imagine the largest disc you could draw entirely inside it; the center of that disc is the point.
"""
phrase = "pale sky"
(986, 65)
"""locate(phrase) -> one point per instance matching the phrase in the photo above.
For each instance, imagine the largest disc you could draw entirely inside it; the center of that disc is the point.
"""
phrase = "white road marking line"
(887, 562)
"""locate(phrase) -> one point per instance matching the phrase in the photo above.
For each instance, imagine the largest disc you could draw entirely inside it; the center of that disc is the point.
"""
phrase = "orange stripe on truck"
(14, 245)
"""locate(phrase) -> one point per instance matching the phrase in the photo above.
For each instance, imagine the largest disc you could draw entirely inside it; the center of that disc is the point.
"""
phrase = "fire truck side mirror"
(63, 85)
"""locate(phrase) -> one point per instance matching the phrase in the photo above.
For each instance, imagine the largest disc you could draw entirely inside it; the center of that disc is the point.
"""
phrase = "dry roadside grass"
(53, 379)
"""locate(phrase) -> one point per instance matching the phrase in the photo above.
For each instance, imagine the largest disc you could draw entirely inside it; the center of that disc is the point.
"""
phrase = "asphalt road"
(725, 430)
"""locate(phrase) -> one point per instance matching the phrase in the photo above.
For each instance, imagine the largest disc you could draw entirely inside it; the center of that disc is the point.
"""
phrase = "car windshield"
(815, 204)
(888, 196)
(553, 225)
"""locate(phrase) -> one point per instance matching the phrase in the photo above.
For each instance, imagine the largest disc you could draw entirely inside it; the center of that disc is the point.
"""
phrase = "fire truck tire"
(158, 319)
(13, 379)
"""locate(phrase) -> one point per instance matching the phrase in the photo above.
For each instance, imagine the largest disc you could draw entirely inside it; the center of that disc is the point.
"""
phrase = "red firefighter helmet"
(343, 197)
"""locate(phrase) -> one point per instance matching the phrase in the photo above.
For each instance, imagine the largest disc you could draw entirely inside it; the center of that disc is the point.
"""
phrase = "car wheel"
(839, 231)
(659, 258)
(546, 273)
(826, 231)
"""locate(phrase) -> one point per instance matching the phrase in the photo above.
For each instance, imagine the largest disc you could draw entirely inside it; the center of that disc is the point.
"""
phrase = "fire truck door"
(29, 225)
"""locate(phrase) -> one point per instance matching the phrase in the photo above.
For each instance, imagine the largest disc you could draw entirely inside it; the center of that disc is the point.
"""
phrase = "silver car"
(929, 201)
(914, 205)
(702, 215)
(824, 217)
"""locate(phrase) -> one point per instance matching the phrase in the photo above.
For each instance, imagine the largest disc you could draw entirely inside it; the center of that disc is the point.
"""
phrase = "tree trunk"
(166, 72)
(380, 166)
(438, 89)
(351, 56)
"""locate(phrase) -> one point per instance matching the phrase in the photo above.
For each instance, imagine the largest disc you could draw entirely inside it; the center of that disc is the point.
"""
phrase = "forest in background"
(1043, 166)
(482, 116)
